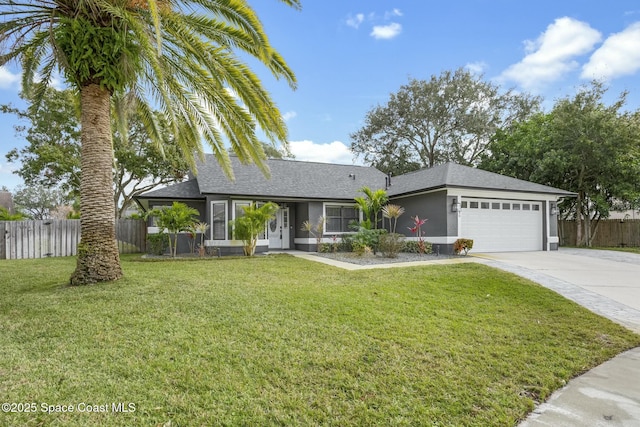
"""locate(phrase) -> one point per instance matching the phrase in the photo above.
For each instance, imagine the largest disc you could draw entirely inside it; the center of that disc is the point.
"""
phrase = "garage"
(502, 225)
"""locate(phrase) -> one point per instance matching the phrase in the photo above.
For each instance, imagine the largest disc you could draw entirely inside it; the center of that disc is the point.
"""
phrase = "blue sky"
(350, 55)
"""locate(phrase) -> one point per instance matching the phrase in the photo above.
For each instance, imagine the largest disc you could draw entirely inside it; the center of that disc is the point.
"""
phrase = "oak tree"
(450, 117)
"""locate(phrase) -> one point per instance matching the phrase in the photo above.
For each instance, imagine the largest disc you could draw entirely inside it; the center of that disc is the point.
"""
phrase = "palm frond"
(186, 64)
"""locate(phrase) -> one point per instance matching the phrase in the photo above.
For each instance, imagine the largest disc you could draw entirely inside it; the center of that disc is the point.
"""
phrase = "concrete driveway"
(606, 282)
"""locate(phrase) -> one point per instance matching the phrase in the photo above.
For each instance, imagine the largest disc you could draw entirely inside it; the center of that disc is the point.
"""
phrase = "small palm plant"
(370, 206)
(249, 226)
(316, 230)
(176, 218)
(391, 244)
(201, 228)
(392, 212)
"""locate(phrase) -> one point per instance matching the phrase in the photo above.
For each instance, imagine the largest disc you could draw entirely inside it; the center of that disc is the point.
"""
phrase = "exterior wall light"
(454, 205)
(554, 210)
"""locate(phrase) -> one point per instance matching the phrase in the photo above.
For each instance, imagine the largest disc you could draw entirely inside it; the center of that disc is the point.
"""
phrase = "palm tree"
(178, 56)
(249, 226)
(371, 204)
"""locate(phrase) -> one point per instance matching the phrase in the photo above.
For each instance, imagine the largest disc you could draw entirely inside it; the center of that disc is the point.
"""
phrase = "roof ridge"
(273, 159)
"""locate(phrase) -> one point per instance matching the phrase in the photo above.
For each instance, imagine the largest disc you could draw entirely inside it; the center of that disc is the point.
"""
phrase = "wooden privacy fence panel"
(131, 235)
(610, 233)
(41, 239)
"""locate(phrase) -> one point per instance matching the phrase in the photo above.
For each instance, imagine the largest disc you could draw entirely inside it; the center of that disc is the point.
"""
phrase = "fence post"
(3, 239)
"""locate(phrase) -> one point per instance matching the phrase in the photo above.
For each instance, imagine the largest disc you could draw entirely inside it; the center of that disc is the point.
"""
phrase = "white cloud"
(334, 152)
(289, 115)
(618, 56)
(386, 31)
(8, 79)
(553, 53)
(394, 12)
(476, 67)
(355, 21)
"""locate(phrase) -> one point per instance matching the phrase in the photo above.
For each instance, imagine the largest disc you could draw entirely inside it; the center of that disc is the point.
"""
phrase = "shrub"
(462, 245)
(325, 248)
(360, 250)
(5, 215)
(346, 243)
(391, 244)
(157, 244)
(416, 247)
(368, 238)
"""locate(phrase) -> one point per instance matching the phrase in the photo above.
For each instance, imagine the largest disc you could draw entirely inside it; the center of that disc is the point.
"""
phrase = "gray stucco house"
(499, 213)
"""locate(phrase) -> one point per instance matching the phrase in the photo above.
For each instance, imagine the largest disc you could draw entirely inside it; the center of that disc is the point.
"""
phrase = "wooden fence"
(41, 239)
(610, 233)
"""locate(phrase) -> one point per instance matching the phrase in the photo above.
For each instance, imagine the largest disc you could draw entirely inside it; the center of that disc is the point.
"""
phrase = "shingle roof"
(455, 175)
(182, 190)
(289, 179)
(309, 180)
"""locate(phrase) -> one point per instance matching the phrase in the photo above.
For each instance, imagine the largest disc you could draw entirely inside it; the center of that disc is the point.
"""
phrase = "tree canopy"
(51, 157)
(38, 201)
(451, 117)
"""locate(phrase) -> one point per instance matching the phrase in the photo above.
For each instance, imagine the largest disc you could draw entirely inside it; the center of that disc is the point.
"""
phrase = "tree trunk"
(579, 219)
(587, 224)
(98, 258)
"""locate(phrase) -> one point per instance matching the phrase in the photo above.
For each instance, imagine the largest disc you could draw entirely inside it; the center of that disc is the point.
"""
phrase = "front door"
(279, 230)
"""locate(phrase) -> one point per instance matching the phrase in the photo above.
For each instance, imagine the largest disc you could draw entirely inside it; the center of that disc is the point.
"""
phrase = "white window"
(339, 217)
(219, 220)
(238, 211)
(237, 207)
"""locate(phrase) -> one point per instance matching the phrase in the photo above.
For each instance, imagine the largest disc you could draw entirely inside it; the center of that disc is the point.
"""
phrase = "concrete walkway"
(605, 282)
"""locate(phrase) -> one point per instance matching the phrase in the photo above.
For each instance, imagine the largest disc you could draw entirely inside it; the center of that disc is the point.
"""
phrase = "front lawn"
(284, 341)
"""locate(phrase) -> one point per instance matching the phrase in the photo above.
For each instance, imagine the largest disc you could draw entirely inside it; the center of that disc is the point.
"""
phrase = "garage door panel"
(495, 229)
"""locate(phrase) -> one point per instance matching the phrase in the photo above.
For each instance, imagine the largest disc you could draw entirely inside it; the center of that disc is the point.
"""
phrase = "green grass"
(633, 250)
(283, 341)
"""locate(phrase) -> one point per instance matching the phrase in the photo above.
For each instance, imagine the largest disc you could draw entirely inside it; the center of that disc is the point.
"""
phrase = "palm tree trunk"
(98, 258)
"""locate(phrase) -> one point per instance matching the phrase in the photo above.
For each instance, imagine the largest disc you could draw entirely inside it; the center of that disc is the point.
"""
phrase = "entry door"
(279, 230)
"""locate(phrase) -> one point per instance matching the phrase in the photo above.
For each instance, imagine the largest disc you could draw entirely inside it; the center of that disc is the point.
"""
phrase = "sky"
(350, 55)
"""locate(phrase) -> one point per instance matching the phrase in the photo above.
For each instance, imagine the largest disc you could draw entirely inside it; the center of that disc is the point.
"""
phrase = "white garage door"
(502, 225)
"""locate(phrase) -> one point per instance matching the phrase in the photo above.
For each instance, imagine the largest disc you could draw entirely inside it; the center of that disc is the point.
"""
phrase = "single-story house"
(499, 213)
